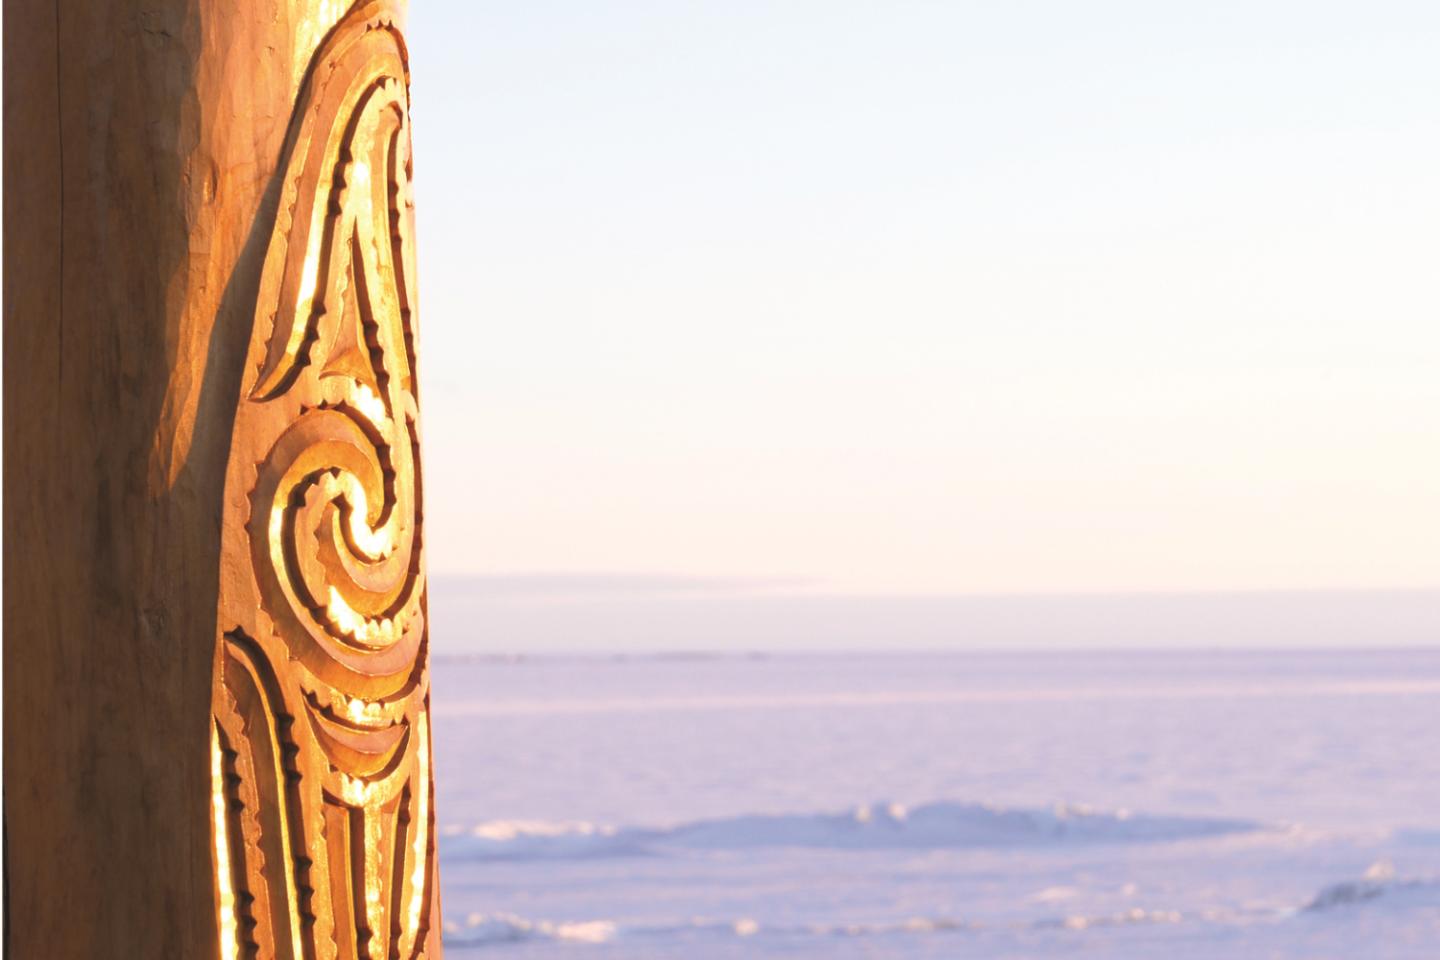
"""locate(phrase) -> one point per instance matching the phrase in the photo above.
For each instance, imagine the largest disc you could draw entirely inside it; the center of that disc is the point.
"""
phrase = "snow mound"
(479, 929)
(870, 827)
(1379, 880)
(539, 840)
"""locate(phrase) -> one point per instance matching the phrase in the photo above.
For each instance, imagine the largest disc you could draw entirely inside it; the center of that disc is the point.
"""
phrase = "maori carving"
(323, 819)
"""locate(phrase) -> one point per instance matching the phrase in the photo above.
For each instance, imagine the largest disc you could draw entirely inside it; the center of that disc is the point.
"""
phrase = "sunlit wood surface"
(216, 658)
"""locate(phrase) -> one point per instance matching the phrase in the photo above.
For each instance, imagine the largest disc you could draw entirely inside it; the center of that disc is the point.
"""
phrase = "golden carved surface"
(323, 822)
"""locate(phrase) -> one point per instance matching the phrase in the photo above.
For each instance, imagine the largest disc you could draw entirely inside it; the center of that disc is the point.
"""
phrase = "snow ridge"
(938, 825)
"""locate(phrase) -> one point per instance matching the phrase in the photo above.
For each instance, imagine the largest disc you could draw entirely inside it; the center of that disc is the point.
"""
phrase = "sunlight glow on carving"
(277, 522)
(421, 846)
(376, 544)
(360, 175)
(229, 944)
(343, 615)
(311, 29)
(374, 898)
(305, 297)
(355, 791)
(381, 632)
(368, 402)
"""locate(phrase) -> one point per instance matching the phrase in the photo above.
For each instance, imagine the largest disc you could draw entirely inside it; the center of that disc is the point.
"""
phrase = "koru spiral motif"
(323, 820)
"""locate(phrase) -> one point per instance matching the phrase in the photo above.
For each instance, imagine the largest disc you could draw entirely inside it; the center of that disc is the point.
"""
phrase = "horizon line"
(630, 584)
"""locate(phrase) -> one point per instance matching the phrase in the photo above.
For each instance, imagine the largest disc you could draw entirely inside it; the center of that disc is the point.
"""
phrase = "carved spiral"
(335, 517)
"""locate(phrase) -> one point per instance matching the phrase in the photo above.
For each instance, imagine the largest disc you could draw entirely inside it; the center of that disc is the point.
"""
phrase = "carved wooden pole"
(216, 657)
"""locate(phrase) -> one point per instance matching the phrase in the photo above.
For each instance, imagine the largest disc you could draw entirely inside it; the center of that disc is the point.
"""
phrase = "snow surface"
(1198, 805)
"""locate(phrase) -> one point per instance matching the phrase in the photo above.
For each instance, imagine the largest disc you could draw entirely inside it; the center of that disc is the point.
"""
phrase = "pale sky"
(946, 297)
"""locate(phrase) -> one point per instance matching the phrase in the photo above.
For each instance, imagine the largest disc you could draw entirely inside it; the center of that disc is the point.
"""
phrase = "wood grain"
(145, 158)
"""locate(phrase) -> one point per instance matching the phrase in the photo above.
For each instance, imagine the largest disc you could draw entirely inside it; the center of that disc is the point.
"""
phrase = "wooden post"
(216, 659)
